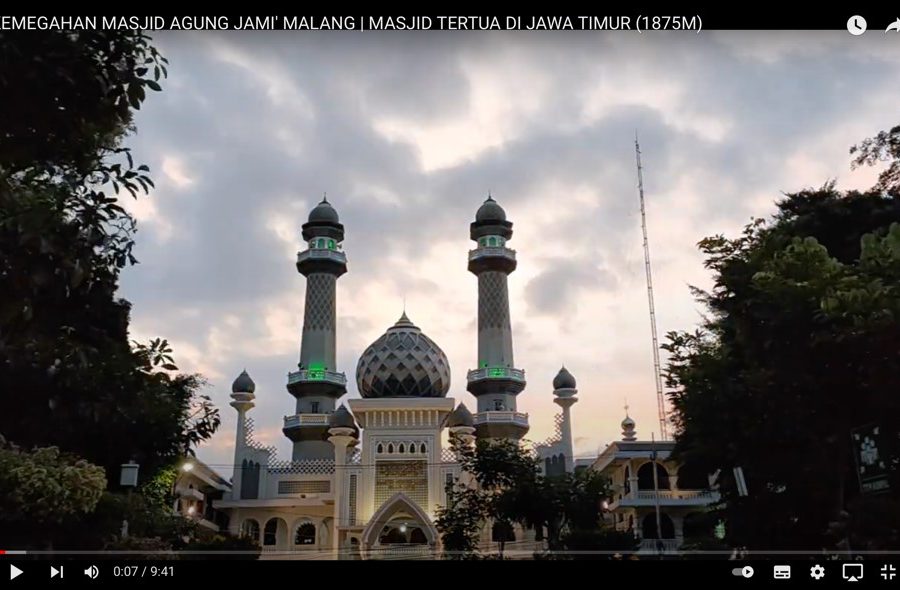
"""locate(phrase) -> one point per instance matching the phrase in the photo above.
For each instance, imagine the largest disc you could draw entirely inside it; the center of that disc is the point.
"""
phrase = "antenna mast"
(660, 398)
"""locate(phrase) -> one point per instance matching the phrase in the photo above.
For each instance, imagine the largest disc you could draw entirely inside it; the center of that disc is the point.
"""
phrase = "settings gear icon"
(817, 572)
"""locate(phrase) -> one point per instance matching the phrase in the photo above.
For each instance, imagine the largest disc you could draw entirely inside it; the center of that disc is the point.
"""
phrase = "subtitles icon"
(782, 572)
(853, 572)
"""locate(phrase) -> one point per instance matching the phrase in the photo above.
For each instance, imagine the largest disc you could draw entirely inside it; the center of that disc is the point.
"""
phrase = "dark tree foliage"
(884, 147)
(801, 345)
(507, 487)
(68, 372)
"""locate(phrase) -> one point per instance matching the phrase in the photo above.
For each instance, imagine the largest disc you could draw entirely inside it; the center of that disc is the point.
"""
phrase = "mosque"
(368, 475)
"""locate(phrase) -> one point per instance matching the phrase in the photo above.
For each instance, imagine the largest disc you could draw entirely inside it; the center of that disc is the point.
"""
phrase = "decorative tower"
(317, 384)
(242, 394)
(629, 434)
(496, 382)
(343, 435)
(564, 391)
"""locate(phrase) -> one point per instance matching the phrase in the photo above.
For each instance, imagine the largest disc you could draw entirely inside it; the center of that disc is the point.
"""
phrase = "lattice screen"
(409, 477)
(304, 487)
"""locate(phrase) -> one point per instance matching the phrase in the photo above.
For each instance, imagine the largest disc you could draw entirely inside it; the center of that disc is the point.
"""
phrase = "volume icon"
(92, 572)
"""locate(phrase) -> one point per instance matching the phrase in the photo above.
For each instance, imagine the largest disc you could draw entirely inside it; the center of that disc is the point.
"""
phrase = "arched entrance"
(400, 528)
(275, 534)
(648, 527)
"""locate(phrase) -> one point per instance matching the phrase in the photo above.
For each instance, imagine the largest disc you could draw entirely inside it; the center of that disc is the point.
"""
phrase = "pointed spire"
(325, 198)
(404, 321)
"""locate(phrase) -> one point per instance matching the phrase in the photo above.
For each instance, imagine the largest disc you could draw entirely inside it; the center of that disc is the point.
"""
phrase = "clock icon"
(856, 25)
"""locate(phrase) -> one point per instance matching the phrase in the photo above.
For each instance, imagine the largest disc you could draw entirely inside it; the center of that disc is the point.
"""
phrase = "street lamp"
(128, 478)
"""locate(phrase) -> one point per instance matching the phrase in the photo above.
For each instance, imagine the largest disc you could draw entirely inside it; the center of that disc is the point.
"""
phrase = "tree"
(66, 363)
(44, 488)
(884, 147)
(800, 346)
(509, 489)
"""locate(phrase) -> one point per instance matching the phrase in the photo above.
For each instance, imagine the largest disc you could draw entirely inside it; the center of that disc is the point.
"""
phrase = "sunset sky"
(407, 132)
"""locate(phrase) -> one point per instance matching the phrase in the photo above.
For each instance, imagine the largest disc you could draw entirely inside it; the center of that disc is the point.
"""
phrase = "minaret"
(564, 391)
(317, 384)
(242, 394)
(496, 382)
(343, 434)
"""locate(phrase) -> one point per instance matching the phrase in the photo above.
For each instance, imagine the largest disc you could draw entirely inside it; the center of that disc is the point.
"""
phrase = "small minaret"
(629, 434)
(461, 425)
(343, 434)
(564, 392)
(317, 384)
(242, 394)
(496, 382)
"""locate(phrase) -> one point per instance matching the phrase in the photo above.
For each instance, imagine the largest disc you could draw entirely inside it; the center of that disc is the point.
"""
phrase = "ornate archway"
(399, 521)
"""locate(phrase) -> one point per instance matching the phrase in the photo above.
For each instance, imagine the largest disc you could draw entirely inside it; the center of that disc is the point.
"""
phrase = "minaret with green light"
(496, 382)
(317, 384)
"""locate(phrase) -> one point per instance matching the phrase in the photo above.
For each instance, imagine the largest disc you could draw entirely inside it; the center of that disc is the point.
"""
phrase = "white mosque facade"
(369, 474)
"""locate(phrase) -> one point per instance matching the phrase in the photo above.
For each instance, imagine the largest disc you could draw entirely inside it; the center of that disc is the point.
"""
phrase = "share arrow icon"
(894, 26)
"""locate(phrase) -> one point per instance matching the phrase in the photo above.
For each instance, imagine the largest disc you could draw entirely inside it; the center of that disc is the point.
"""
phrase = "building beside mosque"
(661, 501)
(366, 476)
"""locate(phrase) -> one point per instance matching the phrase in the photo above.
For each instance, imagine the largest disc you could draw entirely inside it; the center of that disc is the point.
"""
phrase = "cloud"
(408, 132)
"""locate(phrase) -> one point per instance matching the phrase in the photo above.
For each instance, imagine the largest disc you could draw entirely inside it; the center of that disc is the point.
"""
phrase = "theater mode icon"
(782, 572)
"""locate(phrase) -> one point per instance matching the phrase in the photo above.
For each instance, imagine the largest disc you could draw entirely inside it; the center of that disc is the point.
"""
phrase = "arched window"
(331, 244)
(305, 534)
(423, 448)
(250, 528)
(492, 241)
(645, 476)
(402, 448)
(380, 448)
(320, 243)
(627, 480)
(270, 534)
(390, 448)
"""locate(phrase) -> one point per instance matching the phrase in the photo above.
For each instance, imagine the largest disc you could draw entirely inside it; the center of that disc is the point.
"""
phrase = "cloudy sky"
(407, 132)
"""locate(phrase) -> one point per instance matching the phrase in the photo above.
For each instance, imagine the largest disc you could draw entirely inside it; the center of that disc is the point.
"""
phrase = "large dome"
(403, 362)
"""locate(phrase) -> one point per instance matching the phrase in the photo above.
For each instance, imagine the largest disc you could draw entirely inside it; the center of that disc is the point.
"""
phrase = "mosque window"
(498, 405)
(423, 449)
(306, 534)
(314, 407)
(380, 448)
(402, 448)
(493, 241)
(331, 244)
(270, 534)
(390, 448)
(320, 243)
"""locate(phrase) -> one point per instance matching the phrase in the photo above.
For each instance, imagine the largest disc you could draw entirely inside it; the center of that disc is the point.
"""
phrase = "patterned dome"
(403, 362)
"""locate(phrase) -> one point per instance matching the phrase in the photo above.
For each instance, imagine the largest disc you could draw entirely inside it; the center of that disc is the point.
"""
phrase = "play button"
(14, 572)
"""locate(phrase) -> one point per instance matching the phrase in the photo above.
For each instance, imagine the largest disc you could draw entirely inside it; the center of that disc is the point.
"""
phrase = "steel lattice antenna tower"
(660, 398)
